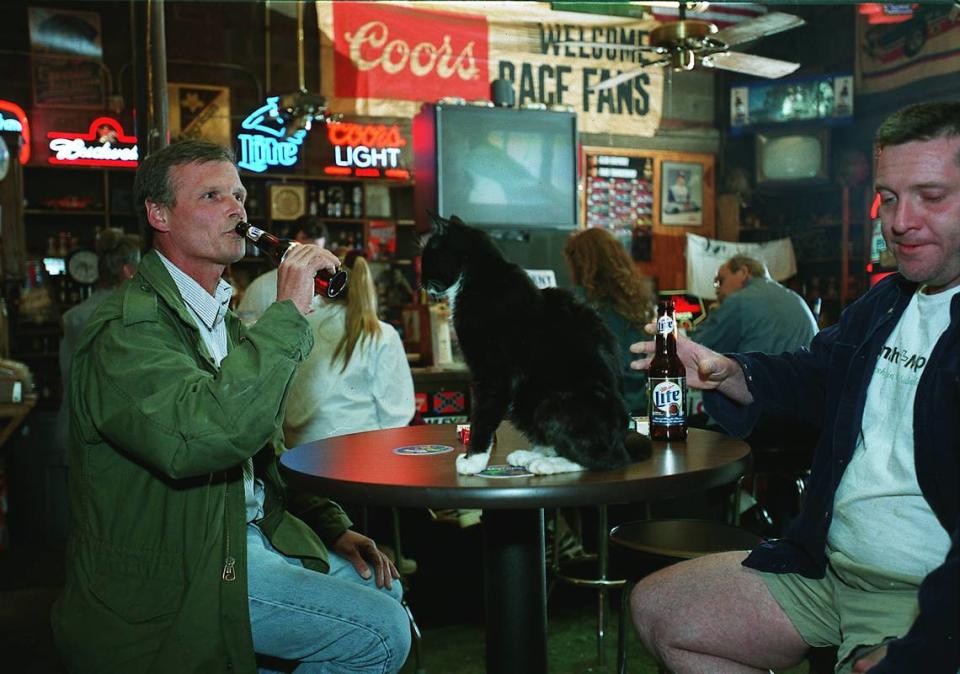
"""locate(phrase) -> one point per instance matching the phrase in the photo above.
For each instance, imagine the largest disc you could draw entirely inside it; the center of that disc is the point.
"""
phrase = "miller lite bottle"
(667, 380)
(325, 283)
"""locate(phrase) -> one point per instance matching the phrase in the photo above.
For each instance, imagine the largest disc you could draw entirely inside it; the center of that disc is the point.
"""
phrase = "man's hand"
(358, 550)
(872, 658)
(705, 369)
(297, 271)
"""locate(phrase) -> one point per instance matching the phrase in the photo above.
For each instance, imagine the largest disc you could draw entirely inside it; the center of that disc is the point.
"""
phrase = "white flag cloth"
(704, 257)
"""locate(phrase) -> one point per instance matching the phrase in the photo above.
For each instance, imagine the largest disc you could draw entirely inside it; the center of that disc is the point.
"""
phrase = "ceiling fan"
(685, 43)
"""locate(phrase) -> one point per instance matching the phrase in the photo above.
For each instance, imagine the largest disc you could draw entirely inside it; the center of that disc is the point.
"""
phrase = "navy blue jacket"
(827, 386)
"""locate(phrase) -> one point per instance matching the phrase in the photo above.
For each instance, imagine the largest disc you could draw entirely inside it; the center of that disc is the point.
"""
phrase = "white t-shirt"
(881, 518)
(375, 391)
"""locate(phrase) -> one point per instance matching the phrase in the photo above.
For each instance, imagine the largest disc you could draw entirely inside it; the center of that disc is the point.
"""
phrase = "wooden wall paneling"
(668, 264)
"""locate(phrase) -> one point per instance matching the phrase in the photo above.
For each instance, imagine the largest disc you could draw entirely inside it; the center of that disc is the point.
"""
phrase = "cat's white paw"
(521, 457)
(473, 463)
(551, 465)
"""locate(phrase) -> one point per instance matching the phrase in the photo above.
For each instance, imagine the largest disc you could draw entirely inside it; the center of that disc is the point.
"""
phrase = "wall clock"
(82, 266)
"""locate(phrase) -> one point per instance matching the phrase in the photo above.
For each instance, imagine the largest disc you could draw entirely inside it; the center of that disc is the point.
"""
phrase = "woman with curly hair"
(606, 278)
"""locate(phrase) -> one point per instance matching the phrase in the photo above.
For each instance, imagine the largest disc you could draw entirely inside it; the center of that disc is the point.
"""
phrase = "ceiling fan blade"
(624, 76)
(750, 64)
(608, 45)
(768, 24)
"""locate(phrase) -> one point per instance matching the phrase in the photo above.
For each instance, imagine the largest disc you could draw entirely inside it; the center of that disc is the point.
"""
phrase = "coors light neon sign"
(366, 150)
(105, 144)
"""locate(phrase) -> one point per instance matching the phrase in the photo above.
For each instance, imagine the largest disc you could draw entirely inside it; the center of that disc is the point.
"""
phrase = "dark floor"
(445, 594)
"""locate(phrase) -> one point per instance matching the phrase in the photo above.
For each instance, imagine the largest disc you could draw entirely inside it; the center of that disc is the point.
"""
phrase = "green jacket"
(159, 434)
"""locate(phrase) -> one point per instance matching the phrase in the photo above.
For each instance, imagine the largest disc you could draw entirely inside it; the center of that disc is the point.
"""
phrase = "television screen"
(800, 156)
(507, 167)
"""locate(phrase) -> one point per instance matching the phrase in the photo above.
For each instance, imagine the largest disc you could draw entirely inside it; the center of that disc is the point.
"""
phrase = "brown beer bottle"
(667, 380)
(330, 285)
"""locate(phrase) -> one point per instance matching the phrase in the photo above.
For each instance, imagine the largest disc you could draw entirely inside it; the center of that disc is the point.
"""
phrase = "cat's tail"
(638, 446)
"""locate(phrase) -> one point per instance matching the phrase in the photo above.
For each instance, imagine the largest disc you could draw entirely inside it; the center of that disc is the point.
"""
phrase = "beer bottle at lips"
(667, 380)
(330, 285)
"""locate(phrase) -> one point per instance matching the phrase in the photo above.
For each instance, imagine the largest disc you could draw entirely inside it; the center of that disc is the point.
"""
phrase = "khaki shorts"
(852, 607)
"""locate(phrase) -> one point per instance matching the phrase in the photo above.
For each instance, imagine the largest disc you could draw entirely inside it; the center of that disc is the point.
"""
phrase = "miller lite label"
(668, 401)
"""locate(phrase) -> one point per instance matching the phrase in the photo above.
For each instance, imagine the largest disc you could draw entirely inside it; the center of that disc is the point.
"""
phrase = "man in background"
(755, 312)
(118, 255)
(262, 291)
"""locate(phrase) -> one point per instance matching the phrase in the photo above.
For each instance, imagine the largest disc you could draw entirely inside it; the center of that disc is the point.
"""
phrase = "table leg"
(515, 591)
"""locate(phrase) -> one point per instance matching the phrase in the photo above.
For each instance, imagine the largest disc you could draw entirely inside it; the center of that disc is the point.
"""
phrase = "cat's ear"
(439, 224)
(454, 220)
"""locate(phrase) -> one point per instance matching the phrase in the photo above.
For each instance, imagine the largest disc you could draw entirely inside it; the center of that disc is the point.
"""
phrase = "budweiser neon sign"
(104, 144)
(13, 118)
(269, 147)
(366, 150)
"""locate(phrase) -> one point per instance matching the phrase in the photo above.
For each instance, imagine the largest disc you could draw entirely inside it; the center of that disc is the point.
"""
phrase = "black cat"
(540, 358)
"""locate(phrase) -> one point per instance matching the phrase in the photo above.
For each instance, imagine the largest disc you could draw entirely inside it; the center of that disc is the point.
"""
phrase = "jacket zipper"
(229, 574)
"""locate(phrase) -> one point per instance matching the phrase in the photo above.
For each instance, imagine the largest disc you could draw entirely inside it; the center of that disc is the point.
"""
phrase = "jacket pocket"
(137, 600)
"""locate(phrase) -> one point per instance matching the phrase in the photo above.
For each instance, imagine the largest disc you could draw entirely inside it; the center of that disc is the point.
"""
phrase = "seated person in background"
(357, 377)
(872, 564)
(755, 312)
(262, 291)
(179, 513)
(607, 279)
(118, 255)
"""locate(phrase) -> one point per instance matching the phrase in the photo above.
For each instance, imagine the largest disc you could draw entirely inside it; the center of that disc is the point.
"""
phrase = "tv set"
(798, 156)
(496, 167)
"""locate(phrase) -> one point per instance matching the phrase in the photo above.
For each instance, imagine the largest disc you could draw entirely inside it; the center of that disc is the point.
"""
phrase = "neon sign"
(13, 118)
(259, 152)
(104, 144)
(366, 150)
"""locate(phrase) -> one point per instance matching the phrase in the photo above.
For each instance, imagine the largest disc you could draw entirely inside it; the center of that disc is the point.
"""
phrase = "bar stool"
(647, 543)
(599, 581)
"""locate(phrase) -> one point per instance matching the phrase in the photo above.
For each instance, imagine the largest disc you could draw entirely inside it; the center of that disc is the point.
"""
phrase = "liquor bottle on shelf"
(275, 248)
(357, 201)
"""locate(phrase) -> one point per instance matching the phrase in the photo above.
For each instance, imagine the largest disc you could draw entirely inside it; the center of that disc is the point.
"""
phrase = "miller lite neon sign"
(105, 144)
(13, 118)
(269, 147)
(366, 150)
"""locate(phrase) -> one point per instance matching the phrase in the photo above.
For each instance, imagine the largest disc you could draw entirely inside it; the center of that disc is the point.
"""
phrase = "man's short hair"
(756, 268)
(312, 227)
(115, 248)
(152, 181)
(919, 122)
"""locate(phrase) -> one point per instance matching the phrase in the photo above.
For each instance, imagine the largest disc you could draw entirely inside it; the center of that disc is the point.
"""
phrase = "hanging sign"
(387, 58)
(268, 146)
(13, 118)
(105, 144)
(366, 150)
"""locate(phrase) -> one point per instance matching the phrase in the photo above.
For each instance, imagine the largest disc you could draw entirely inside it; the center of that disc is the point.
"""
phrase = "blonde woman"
(356, 378)
(606, 278)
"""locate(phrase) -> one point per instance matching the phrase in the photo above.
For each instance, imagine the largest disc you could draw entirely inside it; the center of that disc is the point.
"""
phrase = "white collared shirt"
(208, 313)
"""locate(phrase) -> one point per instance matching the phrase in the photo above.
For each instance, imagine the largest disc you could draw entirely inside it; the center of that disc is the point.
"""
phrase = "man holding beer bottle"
(871, 563)
(184, 555)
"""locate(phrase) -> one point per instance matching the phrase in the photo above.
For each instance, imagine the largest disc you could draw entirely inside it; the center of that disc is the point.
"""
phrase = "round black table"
(362, 468)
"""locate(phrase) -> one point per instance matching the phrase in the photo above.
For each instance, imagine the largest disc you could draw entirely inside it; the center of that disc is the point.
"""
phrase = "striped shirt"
(208, 312)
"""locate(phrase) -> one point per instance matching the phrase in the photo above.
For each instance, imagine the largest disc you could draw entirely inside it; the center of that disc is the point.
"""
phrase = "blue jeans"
(336, 622)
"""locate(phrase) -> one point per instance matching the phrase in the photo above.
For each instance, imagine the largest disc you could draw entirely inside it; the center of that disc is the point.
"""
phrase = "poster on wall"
(681, 199)
(66, 53)
(199, 111)
(893, 55)
(388, 58)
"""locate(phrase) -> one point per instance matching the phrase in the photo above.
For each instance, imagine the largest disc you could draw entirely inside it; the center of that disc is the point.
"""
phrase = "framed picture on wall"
(681, 197)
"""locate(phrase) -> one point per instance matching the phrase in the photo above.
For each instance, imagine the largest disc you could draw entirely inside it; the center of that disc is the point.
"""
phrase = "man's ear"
(157, 216)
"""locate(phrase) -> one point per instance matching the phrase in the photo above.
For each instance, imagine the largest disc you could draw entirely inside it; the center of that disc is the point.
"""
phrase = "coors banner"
(387, 58)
